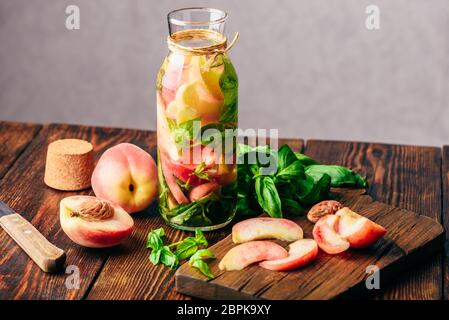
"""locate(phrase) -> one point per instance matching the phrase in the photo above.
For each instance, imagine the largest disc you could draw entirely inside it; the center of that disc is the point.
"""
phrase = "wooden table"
(410, 177)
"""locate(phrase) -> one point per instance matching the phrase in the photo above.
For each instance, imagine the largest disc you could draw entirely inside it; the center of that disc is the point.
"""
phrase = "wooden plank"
(445, 220)
(410, 238)
(129, 275)
(23, 189)
(14, 138)
(407, 177)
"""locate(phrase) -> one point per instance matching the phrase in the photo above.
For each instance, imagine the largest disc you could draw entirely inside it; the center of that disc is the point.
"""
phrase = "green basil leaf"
(305, 186)
(200, 172)
(200, 238)
(190, 245)
(293, 171)
(154, 240)
(268, 197)
(197, 262)
(186, 248)
(184, 212)
(243, 204)
(203, 268)
(319, 191)
(202, 254)
(155, 256)
(286, 157)
(305, 160)
(168, 258)
(290, 206)
(229, 86)
(340, 176)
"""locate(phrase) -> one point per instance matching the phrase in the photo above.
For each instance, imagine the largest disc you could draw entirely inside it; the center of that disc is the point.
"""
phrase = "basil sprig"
(297, 182)
(192, 248)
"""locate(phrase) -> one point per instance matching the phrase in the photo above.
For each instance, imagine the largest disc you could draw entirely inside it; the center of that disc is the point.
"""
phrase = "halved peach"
(250, 252)
(300, 253)
(359, 231)
(326, 235)
(266, 228)
(93, 222)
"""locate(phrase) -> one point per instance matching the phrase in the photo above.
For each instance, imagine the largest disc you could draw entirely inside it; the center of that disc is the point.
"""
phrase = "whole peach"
(126, 175)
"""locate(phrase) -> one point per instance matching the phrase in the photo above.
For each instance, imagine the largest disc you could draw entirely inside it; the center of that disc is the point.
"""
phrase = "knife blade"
(46, 255)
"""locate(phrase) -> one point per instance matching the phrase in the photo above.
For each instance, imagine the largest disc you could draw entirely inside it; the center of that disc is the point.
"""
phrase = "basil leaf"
(292, 171)
(268, 197)
(168, 258)
(196, 261)
(243, 149)
(340, 176)
(319, 190)
(203, 253)
(190, 245)
(200, 238)
(291, 206)
(305, 186)
(183, 133)
(305, 160)
(203, 268)
(154, 240)
(229, 86)
(186, 248)
(155, 256)
(243, 204)
(184, 212)
(200, 173)
(286, 157)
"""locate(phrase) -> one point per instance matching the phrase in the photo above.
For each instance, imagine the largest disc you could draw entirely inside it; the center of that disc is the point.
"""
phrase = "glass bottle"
(196, 122)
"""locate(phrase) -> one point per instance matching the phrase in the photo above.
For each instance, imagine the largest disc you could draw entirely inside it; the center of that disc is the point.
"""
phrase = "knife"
(47, 256)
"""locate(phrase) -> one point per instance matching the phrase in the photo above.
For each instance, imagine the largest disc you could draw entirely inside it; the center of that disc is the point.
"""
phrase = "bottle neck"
(197, 42)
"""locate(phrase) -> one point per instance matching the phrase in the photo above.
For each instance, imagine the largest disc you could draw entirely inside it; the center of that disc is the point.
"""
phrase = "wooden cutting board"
(410, 239)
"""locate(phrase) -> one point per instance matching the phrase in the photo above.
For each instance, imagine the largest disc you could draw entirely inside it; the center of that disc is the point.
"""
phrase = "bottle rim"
(222, 16)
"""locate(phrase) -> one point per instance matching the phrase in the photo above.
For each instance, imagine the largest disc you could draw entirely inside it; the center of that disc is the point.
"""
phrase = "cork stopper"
(69, 165)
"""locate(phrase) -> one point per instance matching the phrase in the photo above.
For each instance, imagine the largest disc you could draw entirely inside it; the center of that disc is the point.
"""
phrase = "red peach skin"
(266, 228)
(360, 231)
(126, 175)
(202, 190)
(94, 234)
(247, 253)
(300, 253)
(325, 234)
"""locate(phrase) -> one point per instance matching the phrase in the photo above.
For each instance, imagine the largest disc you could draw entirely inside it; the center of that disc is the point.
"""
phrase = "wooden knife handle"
(47, 256)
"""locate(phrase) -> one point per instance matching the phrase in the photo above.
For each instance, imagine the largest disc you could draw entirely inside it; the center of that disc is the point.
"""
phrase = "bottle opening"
(196, 18)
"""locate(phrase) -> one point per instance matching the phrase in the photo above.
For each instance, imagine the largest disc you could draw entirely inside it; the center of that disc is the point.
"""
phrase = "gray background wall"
(309, 68)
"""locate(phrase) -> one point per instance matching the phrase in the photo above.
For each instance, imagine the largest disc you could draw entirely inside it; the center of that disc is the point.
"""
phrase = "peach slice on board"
(93, 222)
(300, 253)
(359, 231)
(266, 228)
(326, 235)
(250, 252)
